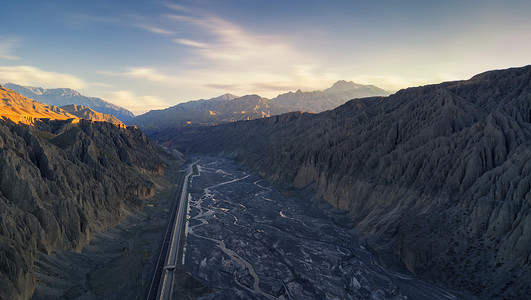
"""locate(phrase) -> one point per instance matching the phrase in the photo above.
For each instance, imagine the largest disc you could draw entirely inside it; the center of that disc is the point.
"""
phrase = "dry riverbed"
(249, 240)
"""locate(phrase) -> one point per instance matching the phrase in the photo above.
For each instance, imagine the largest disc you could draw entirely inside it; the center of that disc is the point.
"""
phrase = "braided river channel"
(248, 240)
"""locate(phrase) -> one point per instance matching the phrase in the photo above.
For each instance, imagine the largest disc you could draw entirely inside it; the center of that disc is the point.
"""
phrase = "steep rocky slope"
(89, 114)
(61, 182)
(330, 98)
(439, 174)
(65, 96)
(20, 109)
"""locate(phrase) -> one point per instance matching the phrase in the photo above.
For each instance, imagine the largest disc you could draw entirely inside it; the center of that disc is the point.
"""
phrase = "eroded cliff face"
(62, 182)
(441, 174)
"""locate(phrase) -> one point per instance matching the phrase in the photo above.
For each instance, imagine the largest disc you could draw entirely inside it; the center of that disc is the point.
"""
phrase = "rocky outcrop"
(439, 174)
(89, 114)
(60, 183)
(65, 96)
(20, 109)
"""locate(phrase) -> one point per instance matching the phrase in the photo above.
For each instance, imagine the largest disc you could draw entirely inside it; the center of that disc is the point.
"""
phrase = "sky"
(152, 54)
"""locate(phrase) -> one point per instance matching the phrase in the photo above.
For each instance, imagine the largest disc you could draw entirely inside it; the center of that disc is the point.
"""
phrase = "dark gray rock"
(60, 183)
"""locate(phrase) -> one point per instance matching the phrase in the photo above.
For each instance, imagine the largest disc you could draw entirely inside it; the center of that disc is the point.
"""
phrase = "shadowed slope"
(61, 181)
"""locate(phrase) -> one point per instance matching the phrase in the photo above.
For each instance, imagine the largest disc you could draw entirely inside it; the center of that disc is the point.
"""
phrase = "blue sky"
(153, 54)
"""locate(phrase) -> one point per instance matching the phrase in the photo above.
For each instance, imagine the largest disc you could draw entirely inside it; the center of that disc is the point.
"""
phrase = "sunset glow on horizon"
(145, 55)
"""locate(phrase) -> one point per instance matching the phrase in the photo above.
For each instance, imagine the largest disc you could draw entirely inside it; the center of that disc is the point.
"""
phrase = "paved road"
(162, 282)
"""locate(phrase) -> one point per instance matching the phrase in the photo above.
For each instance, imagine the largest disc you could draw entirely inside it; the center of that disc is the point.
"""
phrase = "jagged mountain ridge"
(18, 108)
(330, 98)
(66, 96)
(60, 182)
(89, 114)
(439, 174)
(230, 108)
(222, 109)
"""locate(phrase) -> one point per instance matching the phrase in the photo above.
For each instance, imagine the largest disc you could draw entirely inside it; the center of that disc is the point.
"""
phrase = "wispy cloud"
(226, 87)
(261, 86)
(155, 29)
(134, 102)
(232, 43)
(192, 43)
(136, 21)
(6, 46)
(278, 86)
(175, 7)
(219, 55)
(101, 84)
(236, 57)
(29, 75)
(393, 83)
(150, 74)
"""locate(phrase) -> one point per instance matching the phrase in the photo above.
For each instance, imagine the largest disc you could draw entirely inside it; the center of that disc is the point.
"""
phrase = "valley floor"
(117, 263)
(248, 240)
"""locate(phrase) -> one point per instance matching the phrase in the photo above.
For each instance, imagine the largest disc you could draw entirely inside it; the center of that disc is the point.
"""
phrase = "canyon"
(437, 175)
(431, 183)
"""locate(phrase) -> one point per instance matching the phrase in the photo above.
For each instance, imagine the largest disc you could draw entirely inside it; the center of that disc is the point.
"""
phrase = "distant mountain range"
(20, 109)
(319, 101)
(438, 175)
(230, 108)
(222, 109)
(65, 96)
